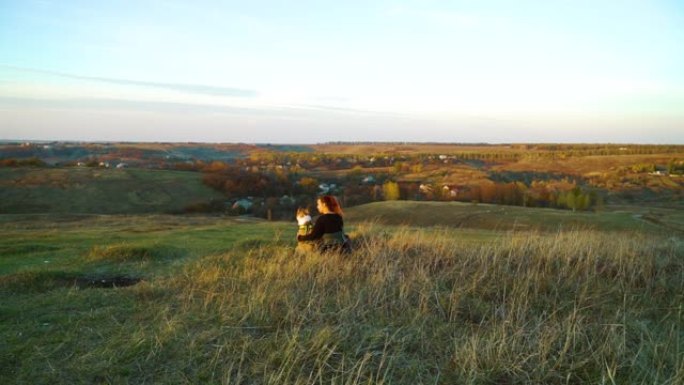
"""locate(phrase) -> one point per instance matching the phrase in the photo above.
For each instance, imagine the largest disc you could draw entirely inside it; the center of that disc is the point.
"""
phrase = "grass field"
(408, 149)
(586, 164)
(99, 191)
(497, 217)
(90, 299)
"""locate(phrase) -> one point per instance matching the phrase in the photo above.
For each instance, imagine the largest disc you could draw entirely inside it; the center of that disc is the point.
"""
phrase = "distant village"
(269, 181)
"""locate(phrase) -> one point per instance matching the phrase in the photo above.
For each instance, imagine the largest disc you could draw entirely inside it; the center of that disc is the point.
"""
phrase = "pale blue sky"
(315, 71)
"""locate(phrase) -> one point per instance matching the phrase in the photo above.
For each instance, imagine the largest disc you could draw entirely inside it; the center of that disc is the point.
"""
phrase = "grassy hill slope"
(187, 300)
(499, 217)
(99, 191)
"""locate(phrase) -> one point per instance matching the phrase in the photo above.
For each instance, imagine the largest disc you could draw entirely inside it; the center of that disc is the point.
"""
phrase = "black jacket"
(325, 224)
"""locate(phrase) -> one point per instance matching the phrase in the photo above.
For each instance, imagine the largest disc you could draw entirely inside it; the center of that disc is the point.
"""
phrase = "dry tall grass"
(417, 306)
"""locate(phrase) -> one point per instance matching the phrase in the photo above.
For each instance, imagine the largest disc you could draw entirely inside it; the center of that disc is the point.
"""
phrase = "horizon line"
(364, 142)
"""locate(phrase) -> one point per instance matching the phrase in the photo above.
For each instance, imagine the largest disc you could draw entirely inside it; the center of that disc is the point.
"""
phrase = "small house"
(244, 204)
(450, 191)
(327, 188)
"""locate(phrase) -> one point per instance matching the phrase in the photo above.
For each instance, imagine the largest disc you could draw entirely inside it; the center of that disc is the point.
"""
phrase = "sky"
(496, 71)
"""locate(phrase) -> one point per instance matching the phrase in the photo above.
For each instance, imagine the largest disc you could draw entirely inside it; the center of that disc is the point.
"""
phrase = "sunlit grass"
(409, 306)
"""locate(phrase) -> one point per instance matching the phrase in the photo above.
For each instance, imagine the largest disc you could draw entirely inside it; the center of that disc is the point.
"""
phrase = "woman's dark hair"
(331, 203)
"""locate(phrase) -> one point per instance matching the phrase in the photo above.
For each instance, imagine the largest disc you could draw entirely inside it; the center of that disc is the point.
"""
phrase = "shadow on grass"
(133, 253)
(43, 281)
(26, 249)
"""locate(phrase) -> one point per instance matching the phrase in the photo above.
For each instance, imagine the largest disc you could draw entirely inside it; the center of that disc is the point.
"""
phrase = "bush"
(30, 162)
(213, 206)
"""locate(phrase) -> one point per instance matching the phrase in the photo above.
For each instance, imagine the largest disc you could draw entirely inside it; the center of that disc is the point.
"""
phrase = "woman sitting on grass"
(328, 230)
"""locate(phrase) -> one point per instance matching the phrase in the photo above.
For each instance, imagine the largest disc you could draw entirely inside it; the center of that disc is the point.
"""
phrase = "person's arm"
(316, 233)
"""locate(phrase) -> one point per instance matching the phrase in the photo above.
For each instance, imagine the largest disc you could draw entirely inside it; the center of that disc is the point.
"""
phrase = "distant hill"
(99, 191)
(61, 153)
(499, 217)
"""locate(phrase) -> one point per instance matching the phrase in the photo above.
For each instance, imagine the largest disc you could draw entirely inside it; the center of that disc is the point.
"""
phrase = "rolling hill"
(499, 217)
(99, 191)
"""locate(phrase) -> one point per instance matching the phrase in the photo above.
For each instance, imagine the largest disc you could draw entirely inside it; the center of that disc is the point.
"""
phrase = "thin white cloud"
(167, 107)
(184, 88)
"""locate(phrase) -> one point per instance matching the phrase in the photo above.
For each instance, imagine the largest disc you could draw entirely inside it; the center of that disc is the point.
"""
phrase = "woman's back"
(325, 224)
(329, 228)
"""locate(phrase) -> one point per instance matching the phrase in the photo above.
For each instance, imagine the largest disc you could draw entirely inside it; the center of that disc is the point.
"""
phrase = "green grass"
(224, 301)
(99, 191)
(31, 242)
(498, 217)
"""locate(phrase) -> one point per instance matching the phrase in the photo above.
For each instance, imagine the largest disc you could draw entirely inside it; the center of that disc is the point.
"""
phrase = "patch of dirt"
(44, 281)
(105, 282)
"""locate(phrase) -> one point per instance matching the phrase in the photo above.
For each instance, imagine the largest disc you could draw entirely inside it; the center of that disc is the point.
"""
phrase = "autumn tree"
(572, 200)
(309, 185)
(488, 192)
(390, 191)
(215, 166)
